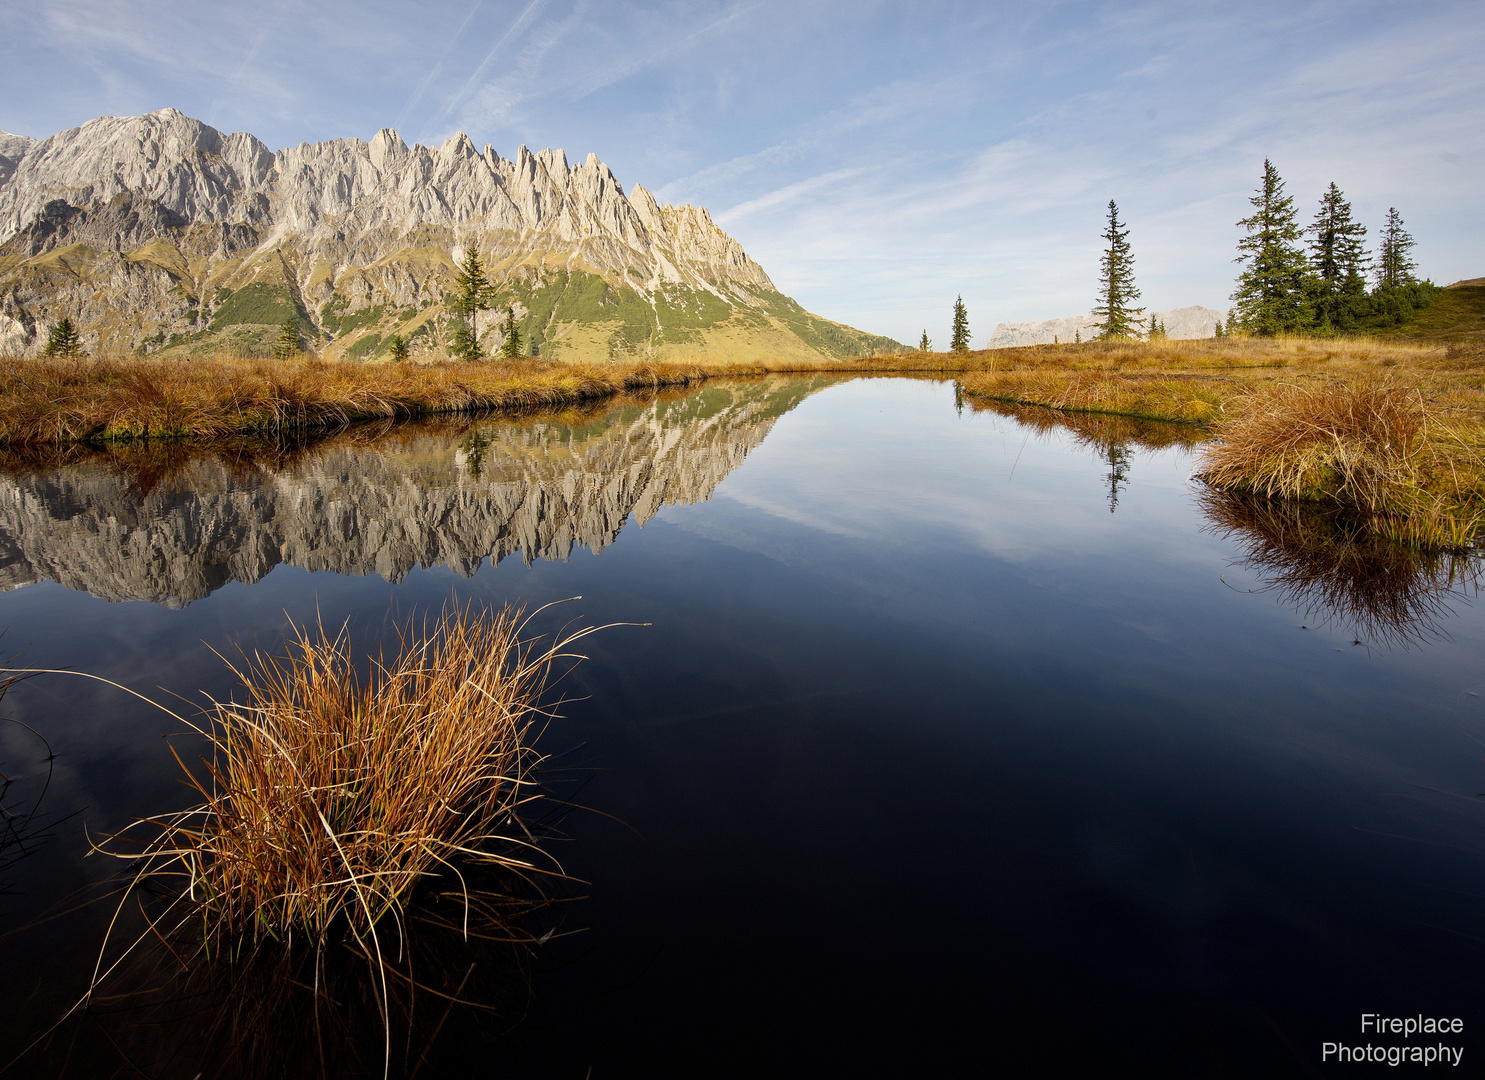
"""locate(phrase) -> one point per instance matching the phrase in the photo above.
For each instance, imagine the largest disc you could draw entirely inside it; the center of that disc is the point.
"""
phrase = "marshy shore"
(1393, 429)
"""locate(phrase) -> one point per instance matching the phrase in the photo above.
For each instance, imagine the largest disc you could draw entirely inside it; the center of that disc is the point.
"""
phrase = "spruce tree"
(510, 349)
(1337, 261)
(62, 339)
(959, 341)
(397, 348)
(472, 294)
(1394, 267)
(924, 345)
(288, 344)
(1271, 296)
(1116, 291)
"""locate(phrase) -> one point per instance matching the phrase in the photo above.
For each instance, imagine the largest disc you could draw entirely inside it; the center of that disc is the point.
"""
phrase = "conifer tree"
(1337, 260)
(397, 348)
(62, 339)
(959, 341)
(288, 344)
(1271, 296)
(472, 294)
(1116, 291)
(924, 345)
(510, 349)
(1394, 267)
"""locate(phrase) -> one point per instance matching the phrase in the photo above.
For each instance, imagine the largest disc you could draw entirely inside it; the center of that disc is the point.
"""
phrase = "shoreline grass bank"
(1394, 431)
(112, 399)
(1434, 490)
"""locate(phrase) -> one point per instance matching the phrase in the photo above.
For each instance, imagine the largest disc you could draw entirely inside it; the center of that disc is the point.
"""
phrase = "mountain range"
(160, 234)
(1180, 323)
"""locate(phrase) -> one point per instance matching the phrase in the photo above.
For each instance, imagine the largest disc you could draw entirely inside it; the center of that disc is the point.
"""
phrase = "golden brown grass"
(331, 795)
(1393, 430)
(339, 807)
(1376, 447)
(102, 399)
(62, 401)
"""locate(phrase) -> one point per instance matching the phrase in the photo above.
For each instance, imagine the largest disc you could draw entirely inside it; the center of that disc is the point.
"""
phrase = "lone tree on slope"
(397, 348)
(959, 342)
(510, 349)
(62, 339)
(1394, 267)
(288, 344)
(1338, 262)
(1116, 291)
(1270, 296)
(472, 294)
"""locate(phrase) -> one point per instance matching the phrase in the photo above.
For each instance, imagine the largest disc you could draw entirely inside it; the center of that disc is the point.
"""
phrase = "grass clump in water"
(331, 796)
(1372, 446)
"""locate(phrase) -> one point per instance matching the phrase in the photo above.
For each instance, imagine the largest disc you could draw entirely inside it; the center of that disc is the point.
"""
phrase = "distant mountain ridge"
(1180, 323)
(158, 231)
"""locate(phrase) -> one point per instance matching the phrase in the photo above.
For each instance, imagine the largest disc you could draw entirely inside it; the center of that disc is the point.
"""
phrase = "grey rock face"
(12, 149)
(420, 498)
(350, 201)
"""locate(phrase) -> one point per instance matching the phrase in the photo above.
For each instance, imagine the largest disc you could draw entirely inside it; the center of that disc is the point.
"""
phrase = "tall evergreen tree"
(63, 339)
(1271, 296)
(1116, 291)
(289, 344)
(472, 294)
(924, 345)
(1394, 266)
(510, 349)
(959, 342)
(1337, 261)
(397, 348)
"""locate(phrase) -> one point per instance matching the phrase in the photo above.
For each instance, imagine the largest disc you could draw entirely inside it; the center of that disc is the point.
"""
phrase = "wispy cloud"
(785, 194)
(437, 69)
(522, 21)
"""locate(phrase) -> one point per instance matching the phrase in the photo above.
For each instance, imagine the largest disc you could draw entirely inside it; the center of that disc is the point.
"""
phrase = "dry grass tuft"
(331, 796)
(1373, 446)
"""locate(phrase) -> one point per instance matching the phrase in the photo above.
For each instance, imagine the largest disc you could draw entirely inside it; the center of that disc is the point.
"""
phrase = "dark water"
(955, 744)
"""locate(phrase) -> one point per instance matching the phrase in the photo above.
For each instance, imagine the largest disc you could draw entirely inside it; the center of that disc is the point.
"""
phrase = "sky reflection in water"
(926, 761)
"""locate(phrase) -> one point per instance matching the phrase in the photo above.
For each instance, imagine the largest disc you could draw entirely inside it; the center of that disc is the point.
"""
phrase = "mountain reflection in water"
(171, 525)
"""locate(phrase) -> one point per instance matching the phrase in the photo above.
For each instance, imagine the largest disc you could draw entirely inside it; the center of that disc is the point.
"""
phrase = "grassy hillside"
(1457, 314)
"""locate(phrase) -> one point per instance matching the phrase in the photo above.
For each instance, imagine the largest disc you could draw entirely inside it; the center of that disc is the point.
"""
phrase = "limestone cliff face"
(156, 232)
(533, 489)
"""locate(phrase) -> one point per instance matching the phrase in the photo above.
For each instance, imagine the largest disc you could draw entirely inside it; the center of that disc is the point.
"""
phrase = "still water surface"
(956, 743)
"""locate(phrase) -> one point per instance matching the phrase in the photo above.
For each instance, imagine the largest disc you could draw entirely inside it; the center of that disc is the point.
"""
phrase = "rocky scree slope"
(159, 233)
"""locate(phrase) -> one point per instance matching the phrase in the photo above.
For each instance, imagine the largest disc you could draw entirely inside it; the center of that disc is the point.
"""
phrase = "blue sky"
(877, 159)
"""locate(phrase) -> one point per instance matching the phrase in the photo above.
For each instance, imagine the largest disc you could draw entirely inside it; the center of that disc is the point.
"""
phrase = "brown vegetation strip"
(58, 401)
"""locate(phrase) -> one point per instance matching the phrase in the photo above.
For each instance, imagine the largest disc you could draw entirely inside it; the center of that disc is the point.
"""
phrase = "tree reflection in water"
(1330, 566)
(1324, 562)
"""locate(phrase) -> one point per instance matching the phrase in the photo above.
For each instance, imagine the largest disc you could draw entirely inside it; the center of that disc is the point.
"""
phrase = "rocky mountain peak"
(164, 217)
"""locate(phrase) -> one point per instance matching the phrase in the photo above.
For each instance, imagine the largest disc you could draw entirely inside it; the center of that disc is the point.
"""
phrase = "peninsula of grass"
(1394, 431)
